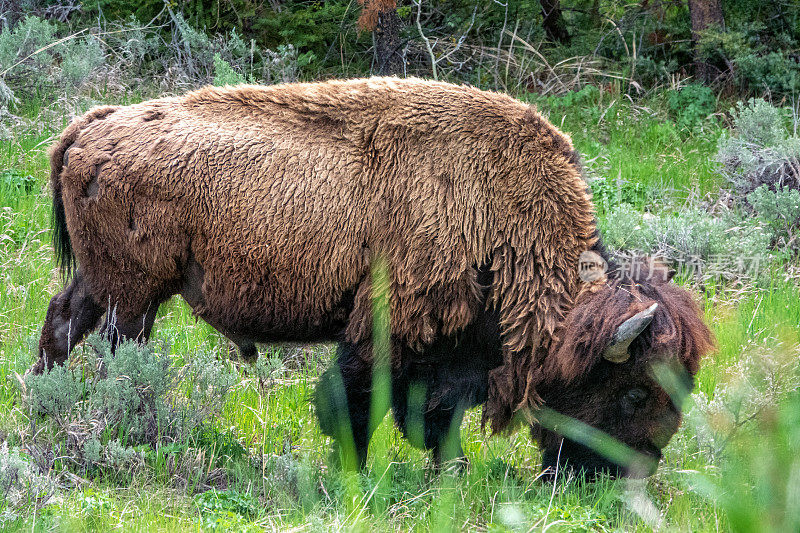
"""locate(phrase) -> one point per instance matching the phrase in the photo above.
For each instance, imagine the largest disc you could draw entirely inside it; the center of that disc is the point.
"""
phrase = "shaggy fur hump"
(265, 206)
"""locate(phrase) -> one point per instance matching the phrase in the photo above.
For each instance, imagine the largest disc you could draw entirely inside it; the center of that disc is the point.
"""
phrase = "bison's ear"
(660, 272)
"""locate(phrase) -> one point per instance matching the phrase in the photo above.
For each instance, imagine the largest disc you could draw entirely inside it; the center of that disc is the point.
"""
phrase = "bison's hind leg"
(72, 313)
(138, 328)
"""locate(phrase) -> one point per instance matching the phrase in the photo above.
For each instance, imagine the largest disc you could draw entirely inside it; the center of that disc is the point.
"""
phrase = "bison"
(265, 207)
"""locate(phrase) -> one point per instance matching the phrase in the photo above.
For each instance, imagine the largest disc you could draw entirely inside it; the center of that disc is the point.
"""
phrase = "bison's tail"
(62, 244)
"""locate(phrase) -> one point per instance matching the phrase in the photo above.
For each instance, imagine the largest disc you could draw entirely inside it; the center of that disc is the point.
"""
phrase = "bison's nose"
(661, 433)
(645, 464)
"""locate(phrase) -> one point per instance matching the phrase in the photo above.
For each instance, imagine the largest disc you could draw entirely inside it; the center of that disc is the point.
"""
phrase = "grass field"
(268, 465)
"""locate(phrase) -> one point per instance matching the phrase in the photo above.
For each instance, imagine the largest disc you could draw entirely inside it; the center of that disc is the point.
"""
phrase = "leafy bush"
(23, 488)
(760, 152)
(776, 71)
(224, 73)
(225, 510)
(608, 194)
(694, 240)
(107, 405)
(758, 56)
(12, 179)
(781, 211)
(691, 105)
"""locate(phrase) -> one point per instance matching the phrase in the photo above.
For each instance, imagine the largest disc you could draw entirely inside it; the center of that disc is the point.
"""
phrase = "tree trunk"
(704, 14)
(388, 53)
(553, 21)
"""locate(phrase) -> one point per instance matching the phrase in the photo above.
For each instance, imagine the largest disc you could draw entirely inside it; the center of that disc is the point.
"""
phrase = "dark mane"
(677, 326)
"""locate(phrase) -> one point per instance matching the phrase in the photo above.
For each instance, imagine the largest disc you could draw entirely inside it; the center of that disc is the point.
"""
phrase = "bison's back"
(267, 205)
(273, 217)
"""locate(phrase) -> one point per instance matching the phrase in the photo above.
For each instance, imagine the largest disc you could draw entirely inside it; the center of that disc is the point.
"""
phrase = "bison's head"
(604, 369)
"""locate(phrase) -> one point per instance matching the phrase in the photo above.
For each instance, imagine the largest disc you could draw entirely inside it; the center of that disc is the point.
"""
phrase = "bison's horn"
(617, 351)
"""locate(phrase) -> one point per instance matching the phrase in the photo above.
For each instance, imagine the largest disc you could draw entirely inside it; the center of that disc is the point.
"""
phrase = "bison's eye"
(635, 397)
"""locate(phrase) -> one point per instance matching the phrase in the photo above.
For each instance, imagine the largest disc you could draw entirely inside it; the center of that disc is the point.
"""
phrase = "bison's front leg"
(429, 412)
(343, 398)
(72, 313)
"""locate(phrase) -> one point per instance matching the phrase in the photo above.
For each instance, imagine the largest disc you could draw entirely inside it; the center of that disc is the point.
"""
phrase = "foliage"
(760, 151)
(18, 57)
(750, 428)
(780, 209)
(608, 194)
(759, 59)
(23, 488)
(703, 244)
(15, 181)
(583, 100)
(691, 105)
(114, 401)
(216, 506)
(80, 59)
(224, 74)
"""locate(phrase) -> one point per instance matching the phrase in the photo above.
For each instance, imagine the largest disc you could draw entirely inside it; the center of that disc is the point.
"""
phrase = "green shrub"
(23, 487)
(776, 71)
(691, 105)
(759, 58)
(225, 510)
(759, 152)
(224, 73)
(12, 179)
(698, 243)
(608, 194)
(781, 211)
(108, 406)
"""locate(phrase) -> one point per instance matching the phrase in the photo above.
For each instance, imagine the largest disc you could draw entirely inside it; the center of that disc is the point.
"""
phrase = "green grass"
(288, 467)
(637, 144)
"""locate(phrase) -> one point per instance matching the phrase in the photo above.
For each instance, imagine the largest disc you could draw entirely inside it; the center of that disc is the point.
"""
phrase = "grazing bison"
(264, 207)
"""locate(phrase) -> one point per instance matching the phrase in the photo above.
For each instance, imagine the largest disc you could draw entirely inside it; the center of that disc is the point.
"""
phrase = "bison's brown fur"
(264, 207)
(284, 194)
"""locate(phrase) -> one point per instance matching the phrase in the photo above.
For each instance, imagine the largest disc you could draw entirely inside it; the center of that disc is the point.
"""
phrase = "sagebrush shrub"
(22, 487)
(79, 59)
(780, 209)
(135, 395)
(693, 239)
(17, 55)
(55, 392)
(760, 151)
(748, 429)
